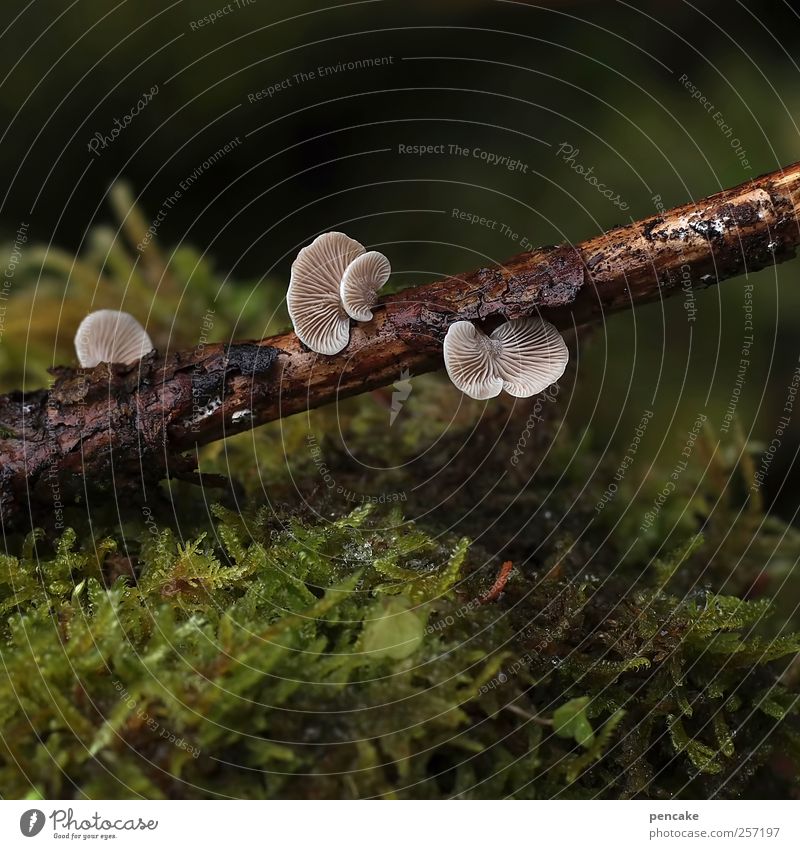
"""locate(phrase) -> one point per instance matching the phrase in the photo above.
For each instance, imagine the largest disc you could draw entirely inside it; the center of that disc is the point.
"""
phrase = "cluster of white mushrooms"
(335, 279)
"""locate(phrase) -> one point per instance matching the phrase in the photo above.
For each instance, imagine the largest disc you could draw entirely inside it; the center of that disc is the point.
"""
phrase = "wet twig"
(121, 429)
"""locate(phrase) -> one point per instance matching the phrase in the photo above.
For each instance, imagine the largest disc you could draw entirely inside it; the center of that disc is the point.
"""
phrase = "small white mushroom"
(314, 300)
(532, 355)
(469, 363)
(111, 336)
(523, 357)
(361, 281)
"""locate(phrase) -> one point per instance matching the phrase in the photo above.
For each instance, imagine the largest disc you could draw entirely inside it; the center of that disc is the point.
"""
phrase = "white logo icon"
(402, 389)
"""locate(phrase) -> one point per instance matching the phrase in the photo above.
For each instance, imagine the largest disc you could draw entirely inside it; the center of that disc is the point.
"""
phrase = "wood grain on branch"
(115, 428)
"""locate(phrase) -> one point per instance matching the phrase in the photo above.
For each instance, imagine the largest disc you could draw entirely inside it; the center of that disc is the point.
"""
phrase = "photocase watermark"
(487, 157)
(476, 219)
(569, 155)
(744, 360)
(527, 659)
(719, 119)
(688, 292)
(153, 724)
(65, 825)
(771, 450)
(318, 73)
(331, 484)
(548, 396)
(685, 270)
(401, 391)
(32, 822)
(52, 476)
(626, 462)
(202, 406)
(223, 12)
(10, 271)
(365, 498)
(149, 521)
(502, 677)
(446, 621)
(171, 201)
(102, 141)
(680, 467)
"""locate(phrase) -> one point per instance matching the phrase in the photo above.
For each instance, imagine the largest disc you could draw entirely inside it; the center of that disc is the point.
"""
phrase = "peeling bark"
(118, 429)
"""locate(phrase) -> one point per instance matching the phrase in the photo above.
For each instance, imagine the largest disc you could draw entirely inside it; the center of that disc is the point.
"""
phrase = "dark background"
(513, 78)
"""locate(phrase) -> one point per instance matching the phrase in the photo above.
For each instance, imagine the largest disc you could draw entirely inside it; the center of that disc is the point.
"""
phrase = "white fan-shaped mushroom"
(532, 354)
(110, 336)
(313, 299)
(361, 281)
(468, 360)
(523, 357)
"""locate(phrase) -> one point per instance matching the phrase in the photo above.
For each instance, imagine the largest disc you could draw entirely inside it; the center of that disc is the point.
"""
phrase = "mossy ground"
(323, 629)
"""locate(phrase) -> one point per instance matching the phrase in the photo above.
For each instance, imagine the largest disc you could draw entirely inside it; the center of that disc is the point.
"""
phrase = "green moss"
(351, 658)
(284, 644)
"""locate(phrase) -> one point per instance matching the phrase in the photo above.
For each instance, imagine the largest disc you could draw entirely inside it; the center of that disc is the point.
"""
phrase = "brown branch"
(123, 428)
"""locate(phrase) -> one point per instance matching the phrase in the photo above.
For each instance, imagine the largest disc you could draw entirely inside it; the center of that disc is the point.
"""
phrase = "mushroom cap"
(468, 361)
(523, 357)
(313, 299)
(532, 354)
(361, 281)
(111, 336)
